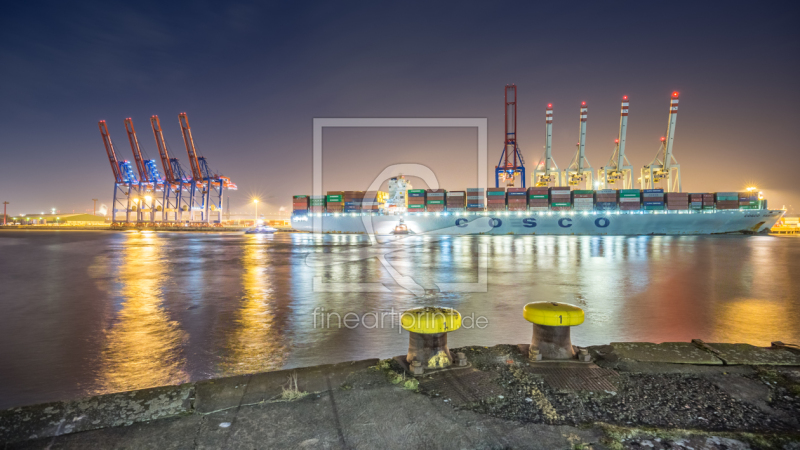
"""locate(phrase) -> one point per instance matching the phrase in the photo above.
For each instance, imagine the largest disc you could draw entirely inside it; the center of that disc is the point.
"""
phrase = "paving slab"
(746, 354)
(381, 417)
(231, 392)
(666, 352)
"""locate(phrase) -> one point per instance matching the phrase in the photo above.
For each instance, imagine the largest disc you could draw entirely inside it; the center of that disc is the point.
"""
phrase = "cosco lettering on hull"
(530, 222)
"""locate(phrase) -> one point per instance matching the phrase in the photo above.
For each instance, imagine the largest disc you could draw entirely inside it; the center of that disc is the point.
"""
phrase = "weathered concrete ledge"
(202, 397)
(670, 395)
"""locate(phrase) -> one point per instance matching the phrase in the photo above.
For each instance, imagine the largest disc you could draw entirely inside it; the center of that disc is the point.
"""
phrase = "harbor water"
(97, 312)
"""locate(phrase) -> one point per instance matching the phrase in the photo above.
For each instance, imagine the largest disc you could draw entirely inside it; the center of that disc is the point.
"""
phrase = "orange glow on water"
(143, 346)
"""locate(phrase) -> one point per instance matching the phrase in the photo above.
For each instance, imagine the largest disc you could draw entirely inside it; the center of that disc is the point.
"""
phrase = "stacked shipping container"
(727, 200)
(516, 198)
(748, 200)
(416, 200)
(677, 201)
(630, 199)
(435, 200)
(352, 201)
(316, 204)
(605, 200)
(300, 204)
(456, 200)
(370, 202)
(538, 198)
(496, 199)
(560, 198)
(334, 201)
(583, 200)
(476, 199)
(653, 199)
(533, 199)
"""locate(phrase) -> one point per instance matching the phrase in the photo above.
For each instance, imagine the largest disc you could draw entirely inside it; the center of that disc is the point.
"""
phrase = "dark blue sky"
(252, 78)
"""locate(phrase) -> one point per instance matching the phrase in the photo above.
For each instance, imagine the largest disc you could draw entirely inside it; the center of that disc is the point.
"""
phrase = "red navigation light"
(663, 139)
(616, 141)
(549, 105)
(583, 103)
(675, 94)
(624, 97)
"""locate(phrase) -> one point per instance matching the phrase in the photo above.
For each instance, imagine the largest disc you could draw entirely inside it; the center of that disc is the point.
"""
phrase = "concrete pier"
(634, 395)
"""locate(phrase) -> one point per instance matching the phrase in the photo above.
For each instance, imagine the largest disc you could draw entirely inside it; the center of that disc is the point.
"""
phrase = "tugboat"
(261, 229)
(401, 228)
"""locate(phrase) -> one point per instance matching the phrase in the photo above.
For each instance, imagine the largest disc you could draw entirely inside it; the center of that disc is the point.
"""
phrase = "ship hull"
(598, 223)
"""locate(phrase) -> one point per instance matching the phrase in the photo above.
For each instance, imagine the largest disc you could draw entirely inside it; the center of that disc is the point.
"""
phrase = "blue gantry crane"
(210, 182)
(150, 189)
(178, 186)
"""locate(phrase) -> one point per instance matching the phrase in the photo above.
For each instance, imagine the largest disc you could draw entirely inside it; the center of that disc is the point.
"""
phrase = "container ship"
(543, 211)
(554, 204)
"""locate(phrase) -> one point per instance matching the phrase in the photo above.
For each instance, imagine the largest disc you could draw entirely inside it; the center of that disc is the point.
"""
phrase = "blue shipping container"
(475, 205)
(653, 203)
(653, 191)
(416, 195)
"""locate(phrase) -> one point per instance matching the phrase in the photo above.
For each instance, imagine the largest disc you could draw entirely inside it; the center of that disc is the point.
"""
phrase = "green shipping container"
(496, 193)
(629, 191)
(543, 196)
(583, 192)
(561, 204)
(416, 191)
(333, 198)
(653, 207)
(300, 196)
(436, 202)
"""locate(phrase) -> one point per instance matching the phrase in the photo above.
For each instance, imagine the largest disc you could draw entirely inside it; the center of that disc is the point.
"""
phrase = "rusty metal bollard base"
(580, 358)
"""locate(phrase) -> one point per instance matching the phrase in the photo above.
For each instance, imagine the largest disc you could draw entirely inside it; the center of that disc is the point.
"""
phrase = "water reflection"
(143, 347)
(247, 301)
(256, 343)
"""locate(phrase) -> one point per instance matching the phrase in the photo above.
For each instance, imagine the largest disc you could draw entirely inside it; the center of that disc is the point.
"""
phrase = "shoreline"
(692, 392)
(152, 229)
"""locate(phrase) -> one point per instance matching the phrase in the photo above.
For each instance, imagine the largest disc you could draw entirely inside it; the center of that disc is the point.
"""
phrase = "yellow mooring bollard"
(551, 322)
(427, 342)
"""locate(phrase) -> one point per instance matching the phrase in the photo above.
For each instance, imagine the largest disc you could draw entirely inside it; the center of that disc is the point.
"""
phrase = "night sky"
(253, 77)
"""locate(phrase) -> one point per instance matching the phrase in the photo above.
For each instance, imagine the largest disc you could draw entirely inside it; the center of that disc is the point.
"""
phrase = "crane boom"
(548, 142)
(511, 164)
(582, 139)
(511, 125)
(623, 130)
(137, 151)
(546, 171)
(112, 155)
(190, 149)
(169, 174)
(673, 117)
